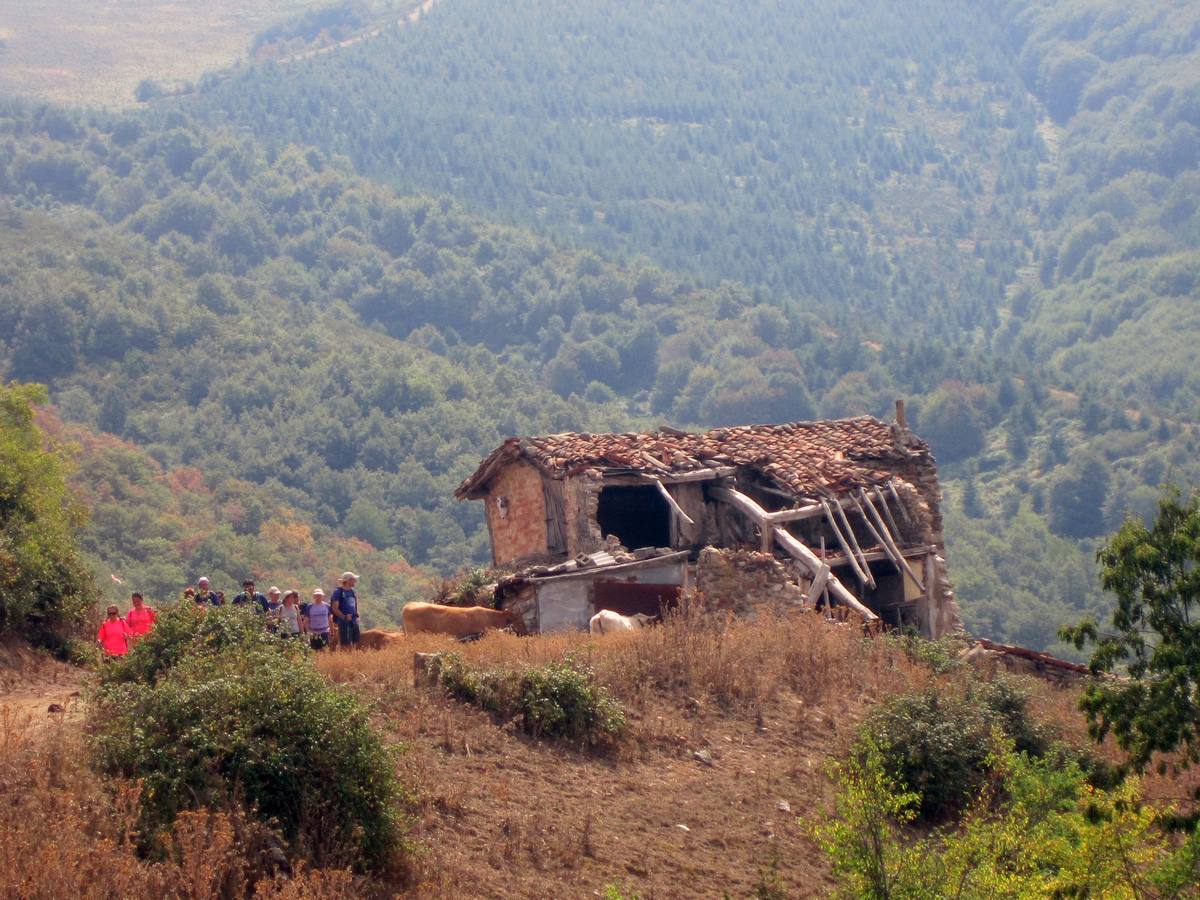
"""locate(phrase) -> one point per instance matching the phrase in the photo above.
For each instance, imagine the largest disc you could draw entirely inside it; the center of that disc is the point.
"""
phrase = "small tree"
(1155, 574)
(46, 589)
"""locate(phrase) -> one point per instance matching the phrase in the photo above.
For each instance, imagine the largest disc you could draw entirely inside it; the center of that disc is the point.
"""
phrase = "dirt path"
(410, 18)
(36, 688)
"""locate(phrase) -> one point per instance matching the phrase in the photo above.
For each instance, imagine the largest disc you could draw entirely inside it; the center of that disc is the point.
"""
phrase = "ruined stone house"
(848, 508)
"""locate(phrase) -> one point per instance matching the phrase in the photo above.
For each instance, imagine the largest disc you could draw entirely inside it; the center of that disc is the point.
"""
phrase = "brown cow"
(456, 621)
(378, 639)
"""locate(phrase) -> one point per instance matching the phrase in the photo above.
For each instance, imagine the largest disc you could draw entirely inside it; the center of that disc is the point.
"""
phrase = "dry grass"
(768, 702)
(96, 53)
(738, 665)
(67, 834)
(498, 814)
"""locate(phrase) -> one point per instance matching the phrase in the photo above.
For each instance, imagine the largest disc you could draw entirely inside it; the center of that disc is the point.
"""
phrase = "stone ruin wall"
(744, 582)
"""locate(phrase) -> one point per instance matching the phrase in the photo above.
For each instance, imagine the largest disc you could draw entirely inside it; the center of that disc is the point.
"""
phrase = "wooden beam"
(893, 544)
(885, 539)
(886, 511)
(743, 503)
(794, 515)
(793, 546)
(899, 503)
(868, 578)
(678, 510)
(699, 475)
(850, 557)
(880, 539)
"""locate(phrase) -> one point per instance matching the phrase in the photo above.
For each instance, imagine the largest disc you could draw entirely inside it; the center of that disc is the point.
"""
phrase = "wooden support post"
(797, 549)
(861, 557)
(825, 587)
(850, 557)
(819, 583)
(889, 545)
(675, 507)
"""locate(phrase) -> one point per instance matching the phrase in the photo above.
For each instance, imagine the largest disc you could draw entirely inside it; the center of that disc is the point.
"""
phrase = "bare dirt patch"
(34, 687)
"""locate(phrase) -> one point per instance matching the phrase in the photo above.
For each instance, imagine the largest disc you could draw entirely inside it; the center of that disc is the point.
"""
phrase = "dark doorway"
(637, 515)
(628, 598)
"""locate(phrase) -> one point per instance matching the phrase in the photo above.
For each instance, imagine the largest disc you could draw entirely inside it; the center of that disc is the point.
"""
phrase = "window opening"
(636, 514)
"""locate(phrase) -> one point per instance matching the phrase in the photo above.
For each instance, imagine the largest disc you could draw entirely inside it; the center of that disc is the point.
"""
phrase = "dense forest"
(290, 305)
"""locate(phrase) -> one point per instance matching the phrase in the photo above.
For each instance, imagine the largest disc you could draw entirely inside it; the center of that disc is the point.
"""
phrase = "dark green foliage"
(1154, 573)
(553, 701)
(939, 745)
(877, 175)
(1077, 496)
(184, 632)
(952, 425)
(802, 167)
(225, 717)
(46, 591)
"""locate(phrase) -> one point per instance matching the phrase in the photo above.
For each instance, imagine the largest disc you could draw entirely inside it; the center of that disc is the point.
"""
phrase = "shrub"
(46, 590)
(934, 745)
(557, 700)
(233, 720)
(939, 745)
(468, 588)
(1036, 830)
(941, 656)
(184, 632)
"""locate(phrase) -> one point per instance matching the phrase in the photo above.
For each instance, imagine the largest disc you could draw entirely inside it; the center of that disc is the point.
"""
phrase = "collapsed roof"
(823, 458)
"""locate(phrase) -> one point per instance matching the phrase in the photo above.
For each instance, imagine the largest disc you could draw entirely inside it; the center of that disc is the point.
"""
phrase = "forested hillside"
(869, 158)
(716, 215)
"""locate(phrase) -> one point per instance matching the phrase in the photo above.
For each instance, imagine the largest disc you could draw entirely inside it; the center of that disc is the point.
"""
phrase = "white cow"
(606, 621)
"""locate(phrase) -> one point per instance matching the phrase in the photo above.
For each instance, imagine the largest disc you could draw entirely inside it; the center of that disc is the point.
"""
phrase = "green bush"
(941, 656)
(559, 700)
(233, 719)
(185, 632)
(46, 589)
(938, 745)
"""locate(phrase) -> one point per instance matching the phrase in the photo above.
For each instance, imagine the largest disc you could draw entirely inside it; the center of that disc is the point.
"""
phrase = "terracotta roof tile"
(822, 457)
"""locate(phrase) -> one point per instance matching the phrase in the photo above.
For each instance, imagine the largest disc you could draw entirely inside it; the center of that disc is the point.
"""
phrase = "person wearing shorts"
(318, 620)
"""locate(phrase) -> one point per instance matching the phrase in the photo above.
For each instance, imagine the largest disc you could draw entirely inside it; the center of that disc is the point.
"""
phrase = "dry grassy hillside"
(504, 816)
(712, 791)
(95, 52)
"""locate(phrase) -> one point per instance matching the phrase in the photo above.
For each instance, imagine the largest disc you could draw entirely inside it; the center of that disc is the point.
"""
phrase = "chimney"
(900, 433)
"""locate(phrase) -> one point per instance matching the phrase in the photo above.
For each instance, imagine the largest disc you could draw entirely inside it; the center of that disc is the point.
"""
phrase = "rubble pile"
(745, 581)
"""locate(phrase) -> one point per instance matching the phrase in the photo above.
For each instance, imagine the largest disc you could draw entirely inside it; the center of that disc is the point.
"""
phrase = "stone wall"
(746, 581)
(582, 501)
(516, 514)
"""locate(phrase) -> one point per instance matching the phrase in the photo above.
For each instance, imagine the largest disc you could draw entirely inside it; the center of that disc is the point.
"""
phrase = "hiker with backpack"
(344, 602)
(113, 635)
(140, 618)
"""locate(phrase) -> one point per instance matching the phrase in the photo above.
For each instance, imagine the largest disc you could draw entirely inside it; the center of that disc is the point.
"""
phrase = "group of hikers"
(282, 611)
